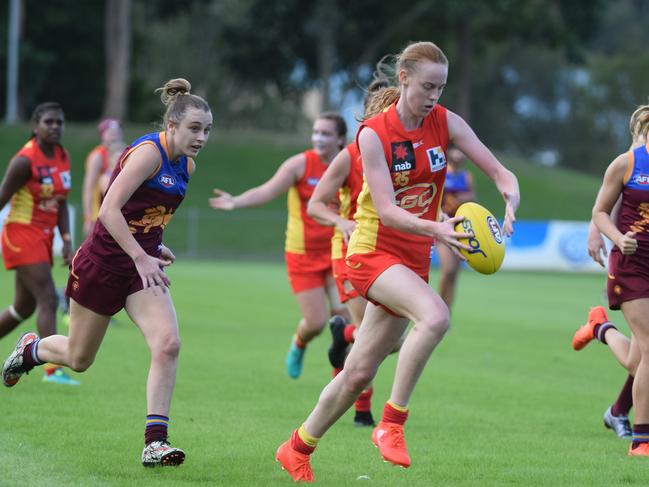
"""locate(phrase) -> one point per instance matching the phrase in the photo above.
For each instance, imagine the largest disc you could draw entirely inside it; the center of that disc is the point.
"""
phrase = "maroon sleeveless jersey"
(147, 212)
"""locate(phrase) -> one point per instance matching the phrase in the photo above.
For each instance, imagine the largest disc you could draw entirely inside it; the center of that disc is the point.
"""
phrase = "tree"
(117, 52)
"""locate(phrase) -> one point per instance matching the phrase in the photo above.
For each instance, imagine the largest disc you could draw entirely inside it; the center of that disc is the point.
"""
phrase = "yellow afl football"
(487, 243)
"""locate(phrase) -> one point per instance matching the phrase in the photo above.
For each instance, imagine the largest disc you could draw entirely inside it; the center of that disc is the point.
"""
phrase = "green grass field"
(503, 401)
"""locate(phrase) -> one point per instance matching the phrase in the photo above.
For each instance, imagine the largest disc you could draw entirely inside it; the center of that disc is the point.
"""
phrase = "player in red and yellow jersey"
(121, 265)
(308, 244)
(404, 166)
(458, 188)
(99, 166)
(37, 181)
(627, 180)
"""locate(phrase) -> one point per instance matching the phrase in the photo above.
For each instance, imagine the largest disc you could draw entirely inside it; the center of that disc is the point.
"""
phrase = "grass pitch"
(504, 400)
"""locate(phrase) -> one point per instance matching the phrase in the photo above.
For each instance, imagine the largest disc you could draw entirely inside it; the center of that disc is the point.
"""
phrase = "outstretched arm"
(286, 176)
(467, 141)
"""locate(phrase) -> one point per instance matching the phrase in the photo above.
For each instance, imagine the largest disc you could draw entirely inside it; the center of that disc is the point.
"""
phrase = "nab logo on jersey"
(403, 157)
(436, 158)
(641, 179)
(166, 180)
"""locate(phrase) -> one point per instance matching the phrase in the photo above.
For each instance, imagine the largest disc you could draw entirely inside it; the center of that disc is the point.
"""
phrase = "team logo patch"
(403, 157)
(494, 228)
(166, 180)
(312, 181)
(436, 158)
(641, 179)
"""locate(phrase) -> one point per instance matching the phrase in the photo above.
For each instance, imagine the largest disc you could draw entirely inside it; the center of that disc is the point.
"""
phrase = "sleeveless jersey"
(303, 233)
(417, 163)
(102, 151)
(456, 182)
(634, 212)
(148, 210)
(348, 194)
(37, 202)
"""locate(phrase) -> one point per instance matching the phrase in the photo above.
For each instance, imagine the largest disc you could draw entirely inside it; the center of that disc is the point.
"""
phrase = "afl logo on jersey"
(312, 181)
(166, 180)
(641, 179)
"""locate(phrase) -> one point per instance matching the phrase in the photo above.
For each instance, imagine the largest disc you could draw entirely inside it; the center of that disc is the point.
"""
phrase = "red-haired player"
(388, 259)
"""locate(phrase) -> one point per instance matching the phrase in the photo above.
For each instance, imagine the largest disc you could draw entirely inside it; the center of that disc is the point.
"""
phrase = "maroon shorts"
(628, 278)
(96, 288)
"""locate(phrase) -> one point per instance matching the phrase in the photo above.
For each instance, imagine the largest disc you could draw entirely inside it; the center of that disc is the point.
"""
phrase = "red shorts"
(26, 244)
(308, 271)
(96, 288)
(628, 278)
(364, 269)
(345, 289)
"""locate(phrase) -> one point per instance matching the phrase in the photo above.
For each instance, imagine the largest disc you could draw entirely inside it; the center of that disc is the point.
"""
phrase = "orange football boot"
(388, 438)
(586, 333)
(296, 464)
(642, 450)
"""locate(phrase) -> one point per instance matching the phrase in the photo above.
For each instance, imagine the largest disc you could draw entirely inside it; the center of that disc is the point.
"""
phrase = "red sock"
(392, 415)
(298, 445)
(348, 333)
(364, 401)
(299, 343)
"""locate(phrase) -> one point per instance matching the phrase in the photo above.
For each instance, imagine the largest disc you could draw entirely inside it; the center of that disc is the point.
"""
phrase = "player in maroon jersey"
(626, 183)
(121, 265)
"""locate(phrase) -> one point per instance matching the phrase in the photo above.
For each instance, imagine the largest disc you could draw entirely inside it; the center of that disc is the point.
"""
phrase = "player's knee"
(436, 323)
(22, 311)
(357, 378)
(80, 363)
(169, 347)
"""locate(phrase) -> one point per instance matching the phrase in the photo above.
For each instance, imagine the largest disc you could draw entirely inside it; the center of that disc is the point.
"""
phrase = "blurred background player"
(388, 258)
(121, 265)
(37, 181)
(458, 188)
(628, 273)
(99, 167)
(308, 244)
(344, 177)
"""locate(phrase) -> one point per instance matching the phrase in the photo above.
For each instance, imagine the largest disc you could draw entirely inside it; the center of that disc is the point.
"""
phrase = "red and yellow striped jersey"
(348, 194)
(417, 163)
(37, 202)
(303, 233)
(102, 151)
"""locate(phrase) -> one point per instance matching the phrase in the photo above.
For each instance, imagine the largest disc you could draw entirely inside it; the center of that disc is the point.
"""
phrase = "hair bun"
(174, 88)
